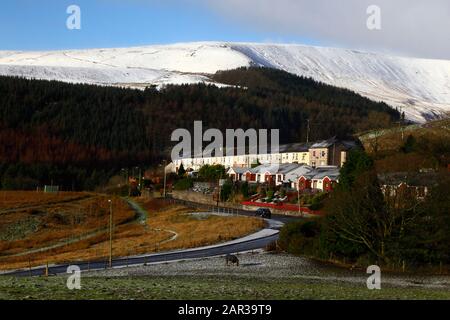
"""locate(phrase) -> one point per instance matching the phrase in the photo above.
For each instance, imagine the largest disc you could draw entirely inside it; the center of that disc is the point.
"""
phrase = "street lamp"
(110, 231)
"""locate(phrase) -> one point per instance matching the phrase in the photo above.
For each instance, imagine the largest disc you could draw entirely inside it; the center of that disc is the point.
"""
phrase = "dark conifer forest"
(77, 136)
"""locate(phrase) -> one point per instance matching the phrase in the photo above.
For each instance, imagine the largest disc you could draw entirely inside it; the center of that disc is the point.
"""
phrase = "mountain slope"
(77, 135)
(420, 87)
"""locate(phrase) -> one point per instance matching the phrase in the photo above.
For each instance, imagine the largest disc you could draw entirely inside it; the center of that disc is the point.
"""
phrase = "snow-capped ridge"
(420, 87)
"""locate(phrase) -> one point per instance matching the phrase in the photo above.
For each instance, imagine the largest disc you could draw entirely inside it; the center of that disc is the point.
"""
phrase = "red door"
(327, 184)
(304, 183)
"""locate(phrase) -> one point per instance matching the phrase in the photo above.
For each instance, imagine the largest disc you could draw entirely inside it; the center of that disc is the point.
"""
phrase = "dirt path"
(142, 218)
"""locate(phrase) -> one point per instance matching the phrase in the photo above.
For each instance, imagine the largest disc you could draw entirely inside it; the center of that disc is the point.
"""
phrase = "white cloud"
(410, 27)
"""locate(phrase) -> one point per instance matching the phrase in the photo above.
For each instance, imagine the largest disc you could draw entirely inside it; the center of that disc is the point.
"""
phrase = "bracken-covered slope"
(420, 87)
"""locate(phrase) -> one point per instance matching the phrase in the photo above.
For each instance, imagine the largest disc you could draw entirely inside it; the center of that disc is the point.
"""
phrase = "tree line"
(365, 226)
(78, 135)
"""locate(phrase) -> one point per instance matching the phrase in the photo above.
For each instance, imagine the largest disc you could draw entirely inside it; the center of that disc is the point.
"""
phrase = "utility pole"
(165, 179)
(110, 231)
(125, 175)
(219, 187)
(139, 178)
(401, 128)
(307, 132)
(334, 152)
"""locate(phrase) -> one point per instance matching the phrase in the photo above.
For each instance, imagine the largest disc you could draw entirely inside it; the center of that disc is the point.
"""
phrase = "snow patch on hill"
(420, 87)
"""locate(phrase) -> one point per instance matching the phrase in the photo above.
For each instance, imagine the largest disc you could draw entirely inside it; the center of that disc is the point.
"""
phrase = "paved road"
(153, 258)
(277, 217)
(223, 249)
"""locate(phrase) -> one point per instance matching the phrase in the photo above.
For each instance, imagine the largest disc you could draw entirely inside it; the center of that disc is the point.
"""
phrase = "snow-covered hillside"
(420, 87)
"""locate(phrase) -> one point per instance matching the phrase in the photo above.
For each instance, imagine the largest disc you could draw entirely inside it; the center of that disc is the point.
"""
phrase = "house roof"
(239, 170)
(346, 144)
(284, 148)
(282, 168)
(321, 173)
(300, 171)
(295, 147)
(324, 143)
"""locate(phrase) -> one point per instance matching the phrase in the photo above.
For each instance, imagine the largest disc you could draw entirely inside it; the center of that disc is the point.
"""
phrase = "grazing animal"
(231, 258)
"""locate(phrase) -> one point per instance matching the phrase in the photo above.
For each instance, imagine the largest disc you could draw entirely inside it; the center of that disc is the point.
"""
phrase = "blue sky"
(41, 25)
(409, 27)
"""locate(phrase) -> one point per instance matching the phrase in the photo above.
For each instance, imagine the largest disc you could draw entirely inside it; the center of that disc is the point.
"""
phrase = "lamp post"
(110, 231)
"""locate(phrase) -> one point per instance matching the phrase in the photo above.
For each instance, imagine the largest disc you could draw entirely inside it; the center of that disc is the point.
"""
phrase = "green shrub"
(244, 189)
(317, 201)
(300, 237)
(183, 184)
(226, 191)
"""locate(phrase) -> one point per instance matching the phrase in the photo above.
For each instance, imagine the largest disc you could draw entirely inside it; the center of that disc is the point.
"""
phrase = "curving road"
(253, 242)
(239, 246)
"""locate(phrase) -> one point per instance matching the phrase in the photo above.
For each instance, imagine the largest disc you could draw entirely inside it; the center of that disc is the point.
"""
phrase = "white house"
(319, 154)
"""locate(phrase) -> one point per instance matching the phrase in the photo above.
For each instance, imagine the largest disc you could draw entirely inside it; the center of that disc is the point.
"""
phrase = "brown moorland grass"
(193, 231)
(61, 222)
(391, 140)
(19, 199)
(432, 142)
(167, 227)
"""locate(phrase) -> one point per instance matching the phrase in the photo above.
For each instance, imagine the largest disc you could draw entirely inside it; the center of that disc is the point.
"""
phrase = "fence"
(227, 209)
(209, 208)
(51, 189)
(282, 207)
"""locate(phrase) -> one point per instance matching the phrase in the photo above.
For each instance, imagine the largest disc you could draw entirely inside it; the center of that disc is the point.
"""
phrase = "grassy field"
(203, 287)
(77, 230)
(391, 139)
(14, 199)
(432, 151)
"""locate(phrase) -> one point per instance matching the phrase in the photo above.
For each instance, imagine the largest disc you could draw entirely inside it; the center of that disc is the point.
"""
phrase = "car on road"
(263, 213)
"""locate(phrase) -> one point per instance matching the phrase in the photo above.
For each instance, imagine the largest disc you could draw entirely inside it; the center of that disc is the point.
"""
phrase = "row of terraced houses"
(301, 166)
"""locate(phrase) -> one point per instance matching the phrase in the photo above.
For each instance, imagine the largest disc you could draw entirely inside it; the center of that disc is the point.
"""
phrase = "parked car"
(263, 213)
